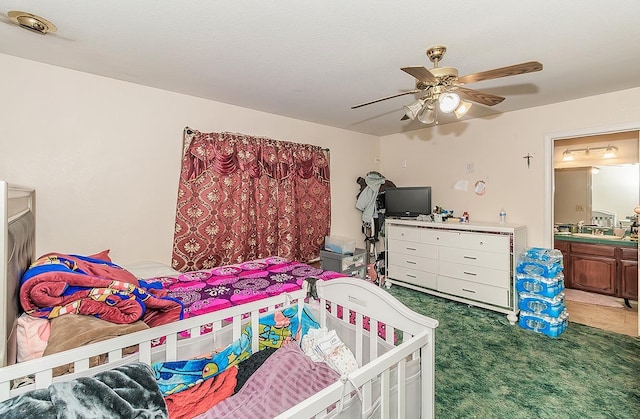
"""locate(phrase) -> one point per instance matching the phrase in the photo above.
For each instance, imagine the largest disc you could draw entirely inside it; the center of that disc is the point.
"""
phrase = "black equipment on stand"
(370, 200)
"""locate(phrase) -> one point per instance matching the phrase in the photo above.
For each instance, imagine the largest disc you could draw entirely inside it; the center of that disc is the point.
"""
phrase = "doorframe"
(549, 174)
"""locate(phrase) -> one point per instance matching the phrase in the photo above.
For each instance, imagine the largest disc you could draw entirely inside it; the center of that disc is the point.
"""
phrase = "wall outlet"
(404, 163)
(579, 207)
(469, 167)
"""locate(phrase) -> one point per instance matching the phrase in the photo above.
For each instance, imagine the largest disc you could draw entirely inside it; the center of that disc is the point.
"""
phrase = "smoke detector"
(32, 22)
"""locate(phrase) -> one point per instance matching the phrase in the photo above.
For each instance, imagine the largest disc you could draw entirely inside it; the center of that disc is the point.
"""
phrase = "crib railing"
(387, 381)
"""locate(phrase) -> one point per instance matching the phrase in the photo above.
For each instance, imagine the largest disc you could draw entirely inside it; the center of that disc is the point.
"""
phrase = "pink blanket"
(276, 386)
(218, 288)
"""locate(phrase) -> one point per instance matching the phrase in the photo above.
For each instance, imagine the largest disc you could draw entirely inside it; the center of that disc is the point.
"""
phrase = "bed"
(395, 370)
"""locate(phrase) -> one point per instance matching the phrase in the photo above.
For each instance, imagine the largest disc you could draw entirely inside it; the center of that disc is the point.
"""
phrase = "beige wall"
(104, 156)
(496, 146)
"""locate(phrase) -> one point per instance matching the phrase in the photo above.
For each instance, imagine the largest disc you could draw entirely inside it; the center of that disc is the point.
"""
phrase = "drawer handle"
(466, 290)
(411, 262)
(470, 257)
(470, 273)
(411, 248)
(411, 276)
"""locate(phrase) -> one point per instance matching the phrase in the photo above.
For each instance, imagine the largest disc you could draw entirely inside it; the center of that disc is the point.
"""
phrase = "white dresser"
(470, 263)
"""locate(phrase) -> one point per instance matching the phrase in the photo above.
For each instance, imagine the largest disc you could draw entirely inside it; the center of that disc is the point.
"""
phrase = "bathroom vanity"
(600, 264)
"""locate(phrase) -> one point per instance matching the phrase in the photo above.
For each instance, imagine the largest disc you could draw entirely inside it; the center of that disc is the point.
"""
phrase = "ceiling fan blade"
(512, 70)
(479, 96)
(420, 73)
(385, 98)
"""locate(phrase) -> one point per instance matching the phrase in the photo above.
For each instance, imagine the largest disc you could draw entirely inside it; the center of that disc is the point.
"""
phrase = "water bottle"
(503, 216)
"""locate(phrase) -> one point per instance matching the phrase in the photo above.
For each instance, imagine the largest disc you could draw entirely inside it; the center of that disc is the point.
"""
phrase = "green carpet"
(486, 368)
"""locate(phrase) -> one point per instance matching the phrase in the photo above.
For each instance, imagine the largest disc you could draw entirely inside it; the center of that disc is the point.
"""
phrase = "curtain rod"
(189, 131)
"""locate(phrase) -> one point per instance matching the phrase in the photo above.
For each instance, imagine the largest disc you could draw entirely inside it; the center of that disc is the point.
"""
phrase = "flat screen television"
(409, 201)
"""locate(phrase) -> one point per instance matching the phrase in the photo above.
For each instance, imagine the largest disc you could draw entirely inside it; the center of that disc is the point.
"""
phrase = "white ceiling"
(313, 60)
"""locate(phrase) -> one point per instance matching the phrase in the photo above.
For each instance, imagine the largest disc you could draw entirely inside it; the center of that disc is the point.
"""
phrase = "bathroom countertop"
(595, 239)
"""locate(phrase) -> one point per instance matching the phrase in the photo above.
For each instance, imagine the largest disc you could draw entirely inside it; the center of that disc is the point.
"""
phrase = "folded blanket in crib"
(124, 392)
(275, 330)
(286, 378)
(58, 284)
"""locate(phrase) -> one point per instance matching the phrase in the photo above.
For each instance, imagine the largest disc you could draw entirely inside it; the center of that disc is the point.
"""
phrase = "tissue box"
(342, 245)
(550, 326)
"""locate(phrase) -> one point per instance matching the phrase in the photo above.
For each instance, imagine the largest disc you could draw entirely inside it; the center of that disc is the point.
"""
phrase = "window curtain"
(242, 197)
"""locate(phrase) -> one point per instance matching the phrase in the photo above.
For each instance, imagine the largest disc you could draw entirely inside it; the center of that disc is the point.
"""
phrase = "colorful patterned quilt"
(275, 330)
(58, 284)
(215, 289)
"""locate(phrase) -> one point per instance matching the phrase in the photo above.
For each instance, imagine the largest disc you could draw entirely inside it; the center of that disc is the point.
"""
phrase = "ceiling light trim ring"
(32, 22)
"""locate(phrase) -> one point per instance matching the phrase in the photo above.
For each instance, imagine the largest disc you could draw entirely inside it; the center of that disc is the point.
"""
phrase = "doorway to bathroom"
(587, 147)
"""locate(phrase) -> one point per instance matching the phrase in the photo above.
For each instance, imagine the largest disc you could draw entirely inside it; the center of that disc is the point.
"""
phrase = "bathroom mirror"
(602, 195)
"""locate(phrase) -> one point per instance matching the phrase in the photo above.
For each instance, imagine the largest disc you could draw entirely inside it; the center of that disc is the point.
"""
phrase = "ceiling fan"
(443, 87)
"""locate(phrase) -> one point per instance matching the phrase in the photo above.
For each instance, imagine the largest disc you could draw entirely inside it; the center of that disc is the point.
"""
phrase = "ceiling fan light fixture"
(462, 109)
(428, 114)
(438, 84)
(449, 102)
(413, 109)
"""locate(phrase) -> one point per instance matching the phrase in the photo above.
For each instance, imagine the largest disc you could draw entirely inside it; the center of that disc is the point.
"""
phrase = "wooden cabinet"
(593, 268)
(603, 269)
(629, 273)
(564, 247)
(463, 262)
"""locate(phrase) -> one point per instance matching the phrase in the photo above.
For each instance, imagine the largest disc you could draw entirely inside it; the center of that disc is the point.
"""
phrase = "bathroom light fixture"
(424, 109)
(567, 156)
(609, 152)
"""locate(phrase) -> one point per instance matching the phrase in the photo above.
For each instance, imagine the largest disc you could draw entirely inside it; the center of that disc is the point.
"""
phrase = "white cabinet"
(470, 263)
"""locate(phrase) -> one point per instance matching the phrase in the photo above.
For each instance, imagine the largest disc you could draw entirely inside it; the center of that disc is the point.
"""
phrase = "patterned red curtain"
(242, 198)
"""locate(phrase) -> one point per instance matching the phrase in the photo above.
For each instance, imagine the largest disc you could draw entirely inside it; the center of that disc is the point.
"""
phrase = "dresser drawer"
(410, 234)
(485, 242)
(412, 248)
(440, 237)
(500, 261)
(413, 262)
(412, 276)
(474, 291)
(475, 274)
